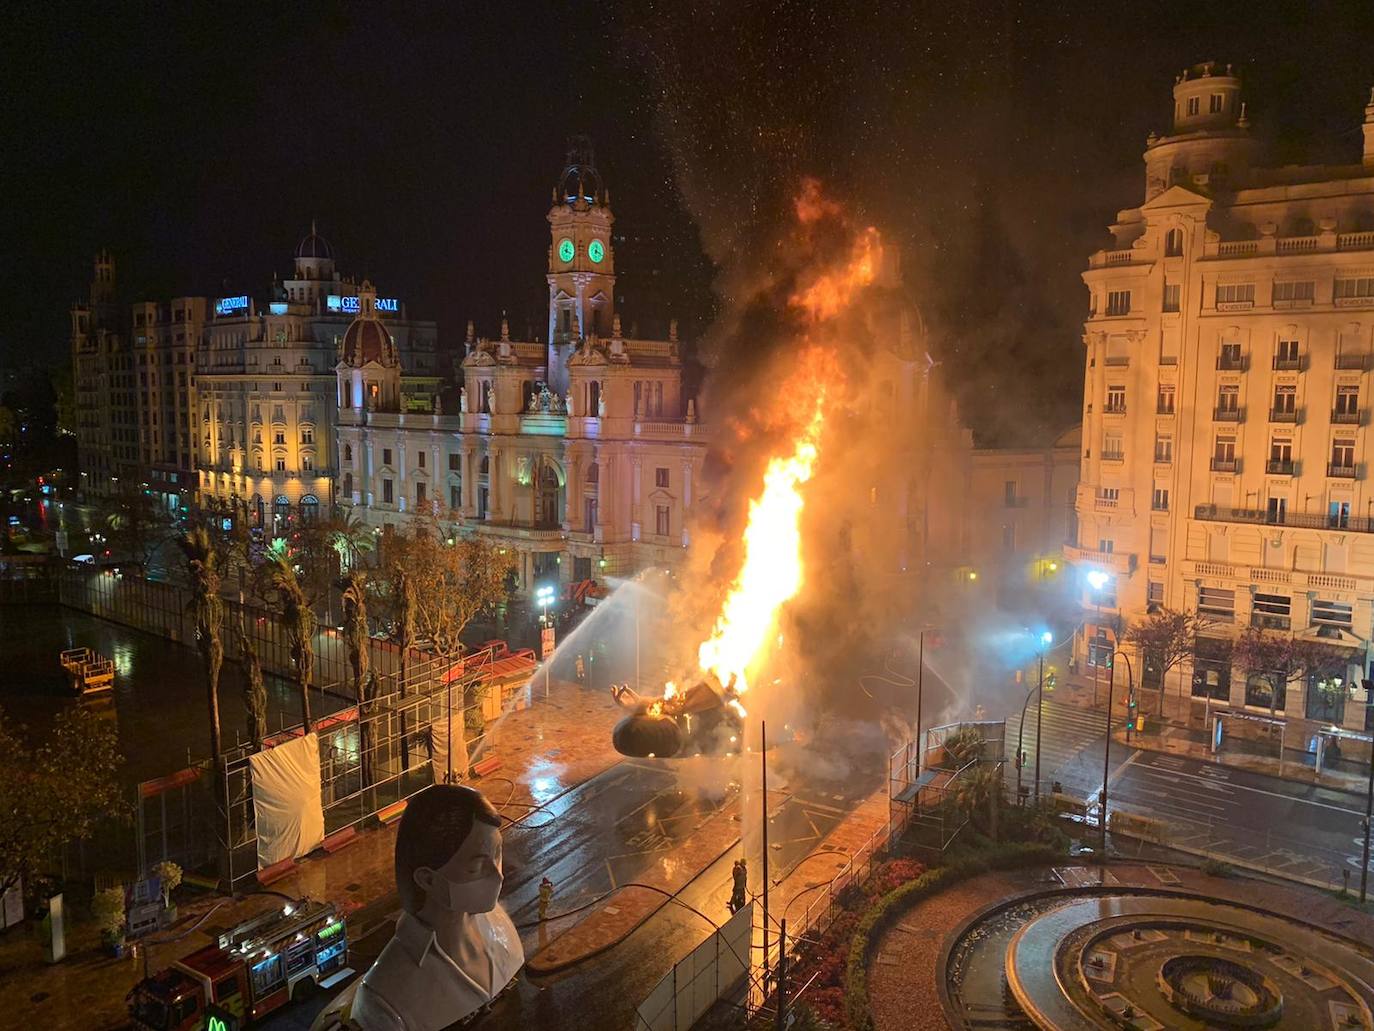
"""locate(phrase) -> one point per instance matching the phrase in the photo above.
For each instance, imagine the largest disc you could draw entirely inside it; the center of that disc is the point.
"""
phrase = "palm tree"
(978, 788)
(299, 620)
(206, 609)
(351, 537)
(357, 640)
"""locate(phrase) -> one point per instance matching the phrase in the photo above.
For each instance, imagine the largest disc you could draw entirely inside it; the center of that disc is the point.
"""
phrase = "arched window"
(486, 397)
(550, 512)
(485, 467)
(593, 399)
(348, 486)
(1173, 243)
(348, 452)
(593, 473)
(310, 508)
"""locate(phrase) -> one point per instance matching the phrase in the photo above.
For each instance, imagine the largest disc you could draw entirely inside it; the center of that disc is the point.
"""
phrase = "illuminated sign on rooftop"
(229, 305)
(350, 304)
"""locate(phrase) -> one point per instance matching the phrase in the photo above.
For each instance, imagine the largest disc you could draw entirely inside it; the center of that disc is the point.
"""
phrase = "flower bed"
(883, 913)
(825, 959)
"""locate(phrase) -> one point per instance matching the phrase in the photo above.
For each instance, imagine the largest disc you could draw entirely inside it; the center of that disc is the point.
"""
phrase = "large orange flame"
(772, 571)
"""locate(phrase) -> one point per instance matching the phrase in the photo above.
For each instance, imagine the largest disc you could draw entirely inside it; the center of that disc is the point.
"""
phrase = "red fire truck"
(250, 971)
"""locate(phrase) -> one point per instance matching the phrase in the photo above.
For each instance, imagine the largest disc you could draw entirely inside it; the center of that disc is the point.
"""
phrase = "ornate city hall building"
(581, 453)
(1226, 460)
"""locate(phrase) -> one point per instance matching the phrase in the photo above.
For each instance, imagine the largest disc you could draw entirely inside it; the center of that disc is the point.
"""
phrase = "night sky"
(994, 141)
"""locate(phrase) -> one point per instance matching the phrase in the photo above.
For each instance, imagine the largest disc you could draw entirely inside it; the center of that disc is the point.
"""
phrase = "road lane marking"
(1272, 794)
(1182, 803)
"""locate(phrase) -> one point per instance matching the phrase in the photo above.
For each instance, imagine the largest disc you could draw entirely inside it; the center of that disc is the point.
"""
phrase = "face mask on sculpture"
(470, 882)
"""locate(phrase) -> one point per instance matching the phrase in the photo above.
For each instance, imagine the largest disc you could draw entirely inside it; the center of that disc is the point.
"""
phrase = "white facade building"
(1226, 464)
(266, 392)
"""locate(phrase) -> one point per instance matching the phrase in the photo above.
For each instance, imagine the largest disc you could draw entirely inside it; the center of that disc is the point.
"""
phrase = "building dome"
(313, 245)
(366, 339)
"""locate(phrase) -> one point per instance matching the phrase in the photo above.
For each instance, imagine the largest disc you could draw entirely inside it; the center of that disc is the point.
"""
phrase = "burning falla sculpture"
(705, 718)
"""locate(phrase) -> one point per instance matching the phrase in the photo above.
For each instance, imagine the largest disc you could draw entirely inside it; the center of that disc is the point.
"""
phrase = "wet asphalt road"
(615, 828)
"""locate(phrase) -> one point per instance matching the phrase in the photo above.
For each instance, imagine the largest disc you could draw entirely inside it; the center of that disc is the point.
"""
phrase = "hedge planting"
(883, 913)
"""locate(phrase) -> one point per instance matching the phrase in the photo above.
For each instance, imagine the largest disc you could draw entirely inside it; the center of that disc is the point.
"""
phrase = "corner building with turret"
(580, 453)
(1226, 466)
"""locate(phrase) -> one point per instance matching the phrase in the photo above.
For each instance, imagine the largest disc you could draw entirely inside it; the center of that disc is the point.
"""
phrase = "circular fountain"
(1147, 960)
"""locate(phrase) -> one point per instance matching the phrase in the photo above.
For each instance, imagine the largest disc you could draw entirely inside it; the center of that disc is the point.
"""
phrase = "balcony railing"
(1266, 621)
(1284, 364)
(1352, 361)
(1228, 414)
(1340, 418)
(1340, 471)
(1163, 410)
(1225, 465)
(1113, 456)
(1164, 458)
(1283, 415)
(1278, 467)
(1219, 514)
(1114, 408)
(1231, 363)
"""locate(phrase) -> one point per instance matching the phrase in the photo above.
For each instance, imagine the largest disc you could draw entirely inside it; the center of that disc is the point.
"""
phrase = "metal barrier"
(366, 764)
(701, 978)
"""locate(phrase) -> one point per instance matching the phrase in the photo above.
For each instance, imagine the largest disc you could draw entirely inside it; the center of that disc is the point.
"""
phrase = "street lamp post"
(1020, 733)
(920, 687)
(544, 597)
(1097, 580)
(1107, 745)
(1368, 801)
(1045, 639)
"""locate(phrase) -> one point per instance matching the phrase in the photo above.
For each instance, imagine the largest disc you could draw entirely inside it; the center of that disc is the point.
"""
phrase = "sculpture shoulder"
(371, 1011)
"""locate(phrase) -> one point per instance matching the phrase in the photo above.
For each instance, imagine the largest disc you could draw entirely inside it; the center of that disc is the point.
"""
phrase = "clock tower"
(581, 259)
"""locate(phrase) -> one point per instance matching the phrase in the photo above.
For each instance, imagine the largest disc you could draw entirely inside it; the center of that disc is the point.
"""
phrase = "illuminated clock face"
(595, 251)
(566, 250)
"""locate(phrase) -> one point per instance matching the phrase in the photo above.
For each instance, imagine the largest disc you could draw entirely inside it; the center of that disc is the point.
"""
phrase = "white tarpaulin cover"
(458, 761)
(286, 800)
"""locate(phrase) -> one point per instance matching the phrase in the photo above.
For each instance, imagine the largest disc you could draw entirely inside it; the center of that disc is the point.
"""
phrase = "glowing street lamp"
(543, 597)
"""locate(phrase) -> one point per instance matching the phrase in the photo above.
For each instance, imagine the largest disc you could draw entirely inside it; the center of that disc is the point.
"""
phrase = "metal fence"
(704, 976)
(368, 763)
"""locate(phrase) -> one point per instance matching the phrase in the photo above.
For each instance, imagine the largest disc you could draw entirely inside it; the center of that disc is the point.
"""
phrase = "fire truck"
(250, 971)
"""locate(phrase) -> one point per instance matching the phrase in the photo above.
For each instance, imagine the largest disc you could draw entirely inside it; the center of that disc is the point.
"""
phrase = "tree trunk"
(213, 652)
(254, 694)
(303, 682)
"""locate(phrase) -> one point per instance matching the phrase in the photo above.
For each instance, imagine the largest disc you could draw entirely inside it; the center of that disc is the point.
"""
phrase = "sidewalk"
(558, 744)
(1177, 737)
